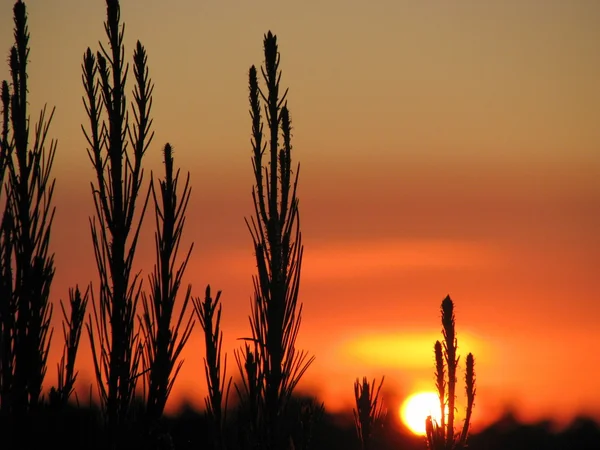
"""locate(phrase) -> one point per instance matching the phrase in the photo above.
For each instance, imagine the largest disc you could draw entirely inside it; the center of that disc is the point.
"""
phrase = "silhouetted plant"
(308, 416)
(442, 435)
(27, 268)
(72, 326)
(369, 412)
(116, 149)
(164, 342)
(250, 397)
(276, 315)
(5, 148)
(218, 388)
(7, 299)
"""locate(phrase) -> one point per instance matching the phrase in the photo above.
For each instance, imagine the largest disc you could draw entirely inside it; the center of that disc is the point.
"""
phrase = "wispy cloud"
(343, 261)
(349, 260)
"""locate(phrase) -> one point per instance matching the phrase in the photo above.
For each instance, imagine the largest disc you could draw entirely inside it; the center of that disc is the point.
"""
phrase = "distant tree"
(272, 366)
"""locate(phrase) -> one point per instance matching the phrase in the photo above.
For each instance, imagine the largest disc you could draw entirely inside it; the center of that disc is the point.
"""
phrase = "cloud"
(378, 257)
(368, 258)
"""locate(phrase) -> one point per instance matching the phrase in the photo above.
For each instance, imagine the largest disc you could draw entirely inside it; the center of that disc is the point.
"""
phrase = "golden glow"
(417, 407)
(409, 350)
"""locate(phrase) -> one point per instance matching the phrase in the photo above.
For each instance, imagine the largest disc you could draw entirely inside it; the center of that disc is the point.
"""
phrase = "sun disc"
(417, 407)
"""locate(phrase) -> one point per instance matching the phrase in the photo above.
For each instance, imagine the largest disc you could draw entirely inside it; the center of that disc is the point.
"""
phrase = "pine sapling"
(276, 314)
(209, 315)
(7, 299)
(443, 435)
(249, 392)
(27, 267)
(72, 326)
(164, 339)
(369, 412)
(116, 149)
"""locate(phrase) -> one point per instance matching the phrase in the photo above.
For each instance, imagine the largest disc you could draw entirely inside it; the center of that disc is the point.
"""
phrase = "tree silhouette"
(442, 435)
(26, 265)
(163, 340)
(116, 150)
(276, 315)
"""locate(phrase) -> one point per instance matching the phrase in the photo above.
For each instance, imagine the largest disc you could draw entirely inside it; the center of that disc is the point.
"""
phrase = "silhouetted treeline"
(190, 429)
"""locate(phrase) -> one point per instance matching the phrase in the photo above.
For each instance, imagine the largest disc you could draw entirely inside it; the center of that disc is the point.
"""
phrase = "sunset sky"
(446, 148)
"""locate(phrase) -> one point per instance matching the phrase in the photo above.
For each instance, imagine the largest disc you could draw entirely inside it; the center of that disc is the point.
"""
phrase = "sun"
(417, 407)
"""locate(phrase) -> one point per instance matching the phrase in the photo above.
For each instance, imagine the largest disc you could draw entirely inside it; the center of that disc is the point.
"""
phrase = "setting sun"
(417, 407)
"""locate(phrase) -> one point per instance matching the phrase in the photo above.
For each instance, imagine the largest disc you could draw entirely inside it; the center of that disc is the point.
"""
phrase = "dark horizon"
(189, 428)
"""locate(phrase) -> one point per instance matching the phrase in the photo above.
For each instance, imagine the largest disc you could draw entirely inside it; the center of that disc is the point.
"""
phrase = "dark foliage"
(116, 149)
(272, 366)
(26, 265)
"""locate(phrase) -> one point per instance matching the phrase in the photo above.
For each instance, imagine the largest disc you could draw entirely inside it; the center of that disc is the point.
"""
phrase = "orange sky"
(445, 149)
